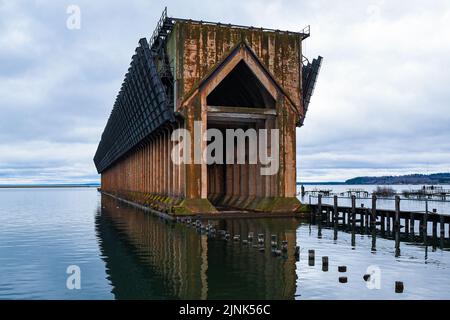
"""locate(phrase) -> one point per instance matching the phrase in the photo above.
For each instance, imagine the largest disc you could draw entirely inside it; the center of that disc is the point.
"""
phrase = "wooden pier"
(392, 222)
(428, 192)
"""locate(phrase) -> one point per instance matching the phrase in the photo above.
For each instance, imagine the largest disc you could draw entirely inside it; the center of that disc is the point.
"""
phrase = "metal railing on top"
(158, 28)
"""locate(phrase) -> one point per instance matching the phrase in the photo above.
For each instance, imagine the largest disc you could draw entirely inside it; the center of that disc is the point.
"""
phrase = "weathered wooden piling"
(335, 210)
(311, 257)
(276, 252)
(361, 219)
(374, 239)
(319, 206)
(353, 239)
(325, 264)
(434, 228)
(260, 238)
(425, 222)
(284, 246)
(366, 216)
(373, 219)
(274, 241)
(411, 223)
(353, 210)
(442, 226)
(342, 268)
(388, 222)
(397, 242)
(399, 287)
(297, 253)
(406, 225)
(397, 213)
(343, 279)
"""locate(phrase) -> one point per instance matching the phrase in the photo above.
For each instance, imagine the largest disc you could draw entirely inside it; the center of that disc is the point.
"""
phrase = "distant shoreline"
(47, 186)
(368, 184)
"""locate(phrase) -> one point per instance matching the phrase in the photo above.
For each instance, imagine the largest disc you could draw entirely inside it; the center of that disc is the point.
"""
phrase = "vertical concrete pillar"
(164, 161)
(153, 162)
(170, 163)
(290, 157)
(260, 187)
(252, 171)
(161, 163)
(194, 184)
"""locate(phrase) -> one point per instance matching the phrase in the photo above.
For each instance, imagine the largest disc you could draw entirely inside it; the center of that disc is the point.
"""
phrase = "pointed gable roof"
(241, 51)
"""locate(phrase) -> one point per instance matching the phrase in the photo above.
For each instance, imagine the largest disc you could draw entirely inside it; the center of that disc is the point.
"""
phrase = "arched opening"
(241, 88)
(240, 101)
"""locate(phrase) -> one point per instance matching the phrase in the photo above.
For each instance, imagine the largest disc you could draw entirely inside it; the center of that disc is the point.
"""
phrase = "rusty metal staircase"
(161, 32)
(157, 46)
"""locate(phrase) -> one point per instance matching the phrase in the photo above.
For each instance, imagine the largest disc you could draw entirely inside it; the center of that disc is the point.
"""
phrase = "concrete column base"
(259, 204)
(194, 206)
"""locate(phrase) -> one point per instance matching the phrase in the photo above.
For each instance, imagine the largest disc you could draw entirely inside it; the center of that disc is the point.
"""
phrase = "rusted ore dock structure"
(227, 77)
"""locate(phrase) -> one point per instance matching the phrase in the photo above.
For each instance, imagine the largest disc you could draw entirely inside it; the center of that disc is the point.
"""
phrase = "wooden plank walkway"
(388, 220)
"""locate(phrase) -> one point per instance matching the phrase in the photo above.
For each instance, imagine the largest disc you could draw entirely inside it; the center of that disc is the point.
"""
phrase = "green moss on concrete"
(304, 211)
(277, 205)
(193, 207)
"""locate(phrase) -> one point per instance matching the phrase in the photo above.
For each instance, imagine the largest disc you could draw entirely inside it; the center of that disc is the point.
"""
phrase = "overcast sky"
(381, 104)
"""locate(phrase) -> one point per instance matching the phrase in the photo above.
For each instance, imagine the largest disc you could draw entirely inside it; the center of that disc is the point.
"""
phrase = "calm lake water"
(124, 253)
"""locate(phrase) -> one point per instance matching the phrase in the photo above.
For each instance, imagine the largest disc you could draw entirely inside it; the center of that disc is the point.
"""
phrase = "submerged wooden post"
(434, 227)
(399, 287)
(388, 222)
(311, 257)
(425, 220)
(362, 215)
(411, 223)
(353, 210)
(319, 205)
(397, 213)
(406, 225)
(367, 218)
(325, 264)
(335, 210)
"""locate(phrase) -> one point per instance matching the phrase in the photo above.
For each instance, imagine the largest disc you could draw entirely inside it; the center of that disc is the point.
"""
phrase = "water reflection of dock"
(147, 257)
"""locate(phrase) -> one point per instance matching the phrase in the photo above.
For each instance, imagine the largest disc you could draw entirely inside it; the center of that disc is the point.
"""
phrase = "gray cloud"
(381, 105)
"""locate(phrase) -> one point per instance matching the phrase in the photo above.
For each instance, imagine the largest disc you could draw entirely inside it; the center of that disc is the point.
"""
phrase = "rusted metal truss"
(310, 73)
